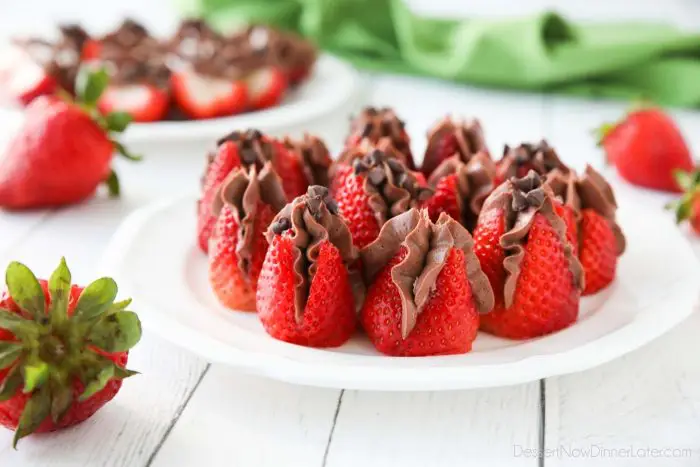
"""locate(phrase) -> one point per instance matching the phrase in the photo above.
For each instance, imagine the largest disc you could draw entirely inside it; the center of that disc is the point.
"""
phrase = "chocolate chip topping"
(375, 124)
(475, 181)
(427, 248)
(467, 137)
(519, 200)
(588, 191)
(312, 219)
(314, 153)
(392, 188)
(254, 148)
(539, 157)
(245, 191)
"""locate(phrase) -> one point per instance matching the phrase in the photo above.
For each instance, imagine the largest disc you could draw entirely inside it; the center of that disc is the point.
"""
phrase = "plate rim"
(615, 344)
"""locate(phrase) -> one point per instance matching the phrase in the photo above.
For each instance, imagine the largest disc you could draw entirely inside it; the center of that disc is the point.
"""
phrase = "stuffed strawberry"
(63, 151)
(521, 244)
(306, 293)
(207, 80)
(246, 203)
(460, 189)
(139, 77)
(518, 161)
(450, 137)
(378, 189)
(647, 147)
(597, 237)
(314, 154)
(42, 67)
(426, 288)
(64, 349)
(247, 149)
(375, 124)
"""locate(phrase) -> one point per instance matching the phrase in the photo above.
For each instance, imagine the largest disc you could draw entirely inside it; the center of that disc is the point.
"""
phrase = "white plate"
(319, 105)
(154, 259)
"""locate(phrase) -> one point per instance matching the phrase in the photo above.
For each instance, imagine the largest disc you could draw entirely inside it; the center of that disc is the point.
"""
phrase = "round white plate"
(154, 259)
(323, 101)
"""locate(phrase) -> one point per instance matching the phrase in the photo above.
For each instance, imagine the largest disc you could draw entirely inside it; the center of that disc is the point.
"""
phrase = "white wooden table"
(641, 410)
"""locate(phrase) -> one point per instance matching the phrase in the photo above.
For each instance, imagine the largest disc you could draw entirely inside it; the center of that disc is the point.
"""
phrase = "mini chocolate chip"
(332, 206)
(506, 150)
(314, 205)
(255, 134)
(367, 130)
(401, 179)
(281, 225)
(395, 165)
(377, 175)
(424, 194)
(519, 201)
(535, 197)
(402, 124)
(358, 166)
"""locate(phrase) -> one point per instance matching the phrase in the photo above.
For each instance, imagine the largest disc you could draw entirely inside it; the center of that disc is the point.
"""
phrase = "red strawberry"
(518, 161)
(688, 207)
(646, 147)
(522, 247)
(378, 189)
(62, 153)
(308, 241)
(21, 79)
(426, 287)
(247, 202)
(588, 209)
(144, 102)
(315, 158)
(199, 96)
(374, 125)
(266, 87)
(450, 137)
(56, 371)
(460, 189)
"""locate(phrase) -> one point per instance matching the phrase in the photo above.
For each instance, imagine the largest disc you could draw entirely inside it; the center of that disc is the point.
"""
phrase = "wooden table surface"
(640, 410)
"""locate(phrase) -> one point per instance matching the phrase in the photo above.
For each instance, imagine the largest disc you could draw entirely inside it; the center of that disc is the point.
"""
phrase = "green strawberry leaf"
(123, 373)
(96, 299)
(11, 383)
(16, 324)
(59, 291)
(61, 400)
(116, 332)
(9, 353)
(25, 290)
(90, 84)
(118, 121)
(35, 375)
(120, 306)
(113, 185)
(35, 412)
(126, 153)
(98, 383)
(683, 179)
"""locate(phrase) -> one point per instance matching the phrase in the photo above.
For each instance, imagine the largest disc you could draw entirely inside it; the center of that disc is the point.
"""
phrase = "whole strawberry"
(306, 292)
(647, 148)
(375, 124)
(314, 154)
(453, 137)
(64, 349)
(63, 151)
(426, 287)
(518, 161)
(378, 189)
(246, 203)
(589, 202)
(460, 189)
(522, 247)
(688, 207)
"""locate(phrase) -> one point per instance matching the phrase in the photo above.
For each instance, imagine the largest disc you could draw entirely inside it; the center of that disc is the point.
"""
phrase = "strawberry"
(522, 247)
(64, 349)
(200, 96)
(587, 205)
(460, 189)
(450, 137)
(646, 147)
(378, 189)
(688, 207)
(426, 287)
(63, 151)
(266, 87)
(246, 203)
(305, 290)
(374, 125)
(144, 102)
(314, 154)
(249, 148)
(518, 161)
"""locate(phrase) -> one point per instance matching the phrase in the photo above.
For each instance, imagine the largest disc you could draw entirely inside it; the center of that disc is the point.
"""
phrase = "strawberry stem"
(113, 185)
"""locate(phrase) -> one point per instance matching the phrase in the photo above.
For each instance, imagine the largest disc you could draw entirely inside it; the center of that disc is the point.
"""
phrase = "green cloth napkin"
(539, 53)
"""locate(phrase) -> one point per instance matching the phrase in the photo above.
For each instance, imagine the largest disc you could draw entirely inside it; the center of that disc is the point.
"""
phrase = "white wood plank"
(239, 420)
(495, 427)
(647, 400)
